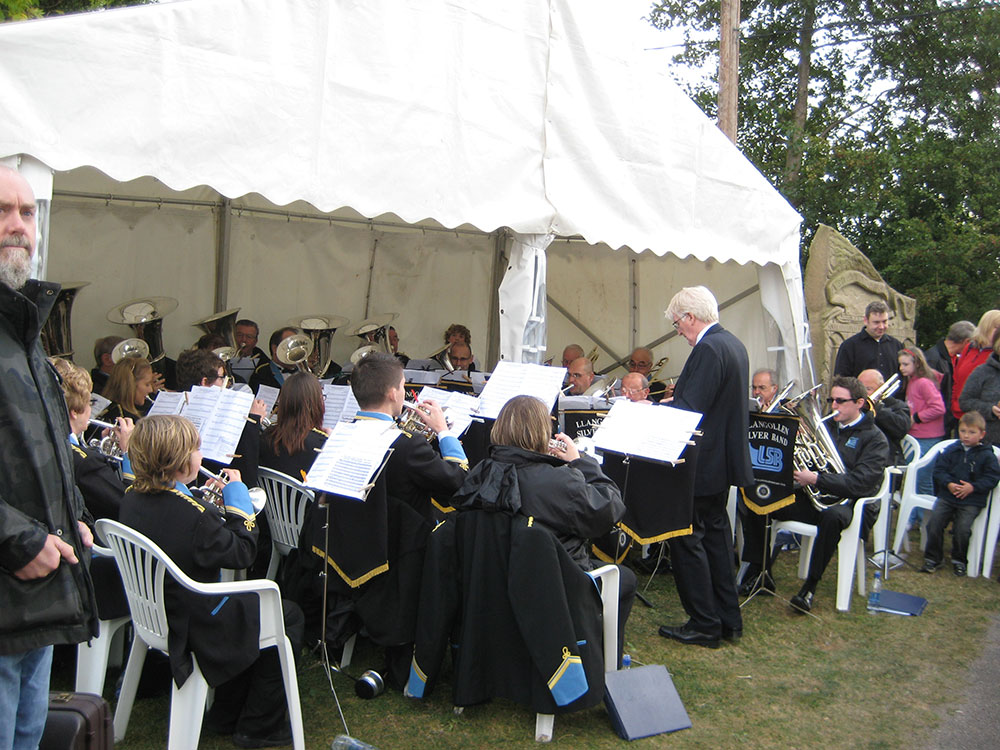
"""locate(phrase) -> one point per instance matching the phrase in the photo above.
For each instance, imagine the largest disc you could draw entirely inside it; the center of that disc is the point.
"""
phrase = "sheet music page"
(199, 403)
(511, 379)
(269, 395)
(340, 404)
(99, 404)
(167, 402)
(648, 430)
(420, 375)
(351, 457)
(221, 433)
(459, 408)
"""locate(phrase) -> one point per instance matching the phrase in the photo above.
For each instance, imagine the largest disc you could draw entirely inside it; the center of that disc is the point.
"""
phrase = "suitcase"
(77, 721)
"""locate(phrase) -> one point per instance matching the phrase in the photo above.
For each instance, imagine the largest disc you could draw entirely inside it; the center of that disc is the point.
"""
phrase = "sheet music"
(352, 457)
(459, 408)
(340, 404)
(511, 379)
(269, 395)
(167, 402)
(99, 404)
(656, 432)
(221, 433)
(200, 401)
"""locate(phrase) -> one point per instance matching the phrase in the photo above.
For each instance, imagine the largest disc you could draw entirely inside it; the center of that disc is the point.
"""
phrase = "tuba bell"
(319, 329)
(294, 351)
(374, 334)
(145, 317)
(57, 333)
(221, 324)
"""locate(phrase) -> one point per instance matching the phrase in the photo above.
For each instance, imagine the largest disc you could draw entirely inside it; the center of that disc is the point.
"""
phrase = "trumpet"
(108, 446)
(413, 424)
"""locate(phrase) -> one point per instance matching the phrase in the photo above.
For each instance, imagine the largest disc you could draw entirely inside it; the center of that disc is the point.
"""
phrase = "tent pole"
(496, 276)
(223, 238)
(371, 275)
(590, 334)
(633, 313)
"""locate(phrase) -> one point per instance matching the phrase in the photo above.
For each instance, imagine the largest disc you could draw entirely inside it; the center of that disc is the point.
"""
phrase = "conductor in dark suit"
(714, 381)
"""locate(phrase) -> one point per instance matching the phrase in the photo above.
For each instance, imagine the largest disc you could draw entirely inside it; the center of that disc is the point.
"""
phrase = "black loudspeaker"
(643, 701)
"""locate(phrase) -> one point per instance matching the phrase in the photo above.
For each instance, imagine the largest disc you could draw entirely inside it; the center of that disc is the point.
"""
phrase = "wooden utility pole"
(729, 67)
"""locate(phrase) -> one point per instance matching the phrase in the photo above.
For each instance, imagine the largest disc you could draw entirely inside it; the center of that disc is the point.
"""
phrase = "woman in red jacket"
(973, 354)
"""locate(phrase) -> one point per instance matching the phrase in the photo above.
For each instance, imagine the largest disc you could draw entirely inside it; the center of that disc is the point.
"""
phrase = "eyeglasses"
(832, 400)
(633, 363)
(634, 391)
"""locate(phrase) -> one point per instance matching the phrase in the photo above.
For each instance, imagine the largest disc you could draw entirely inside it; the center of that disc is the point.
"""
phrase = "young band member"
(223, 633)
(128, 388)
(291, 445)
(376, 547)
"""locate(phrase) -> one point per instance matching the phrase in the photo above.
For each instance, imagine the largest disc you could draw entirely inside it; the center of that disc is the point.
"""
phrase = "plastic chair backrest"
(287, 500)
(910, 481)
(911, 448)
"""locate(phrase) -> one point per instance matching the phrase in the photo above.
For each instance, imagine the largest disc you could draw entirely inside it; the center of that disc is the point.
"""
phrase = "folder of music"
(896, 603)
(643, 701)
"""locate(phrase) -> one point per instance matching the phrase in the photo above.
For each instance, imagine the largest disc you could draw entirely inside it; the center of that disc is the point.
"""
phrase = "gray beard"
(15, 268)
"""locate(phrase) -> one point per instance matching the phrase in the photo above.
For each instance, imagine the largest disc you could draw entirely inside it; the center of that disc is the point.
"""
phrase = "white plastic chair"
(909, 497)
(983, 539)
(92, 656)
(287, 501)
(851, 548)
(142, 565)
(911, 452)
(608, 574)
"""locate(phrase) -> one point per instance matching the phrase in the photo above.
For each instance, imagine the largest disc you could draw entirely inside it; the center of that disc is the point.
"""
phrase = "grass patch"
(847, 680)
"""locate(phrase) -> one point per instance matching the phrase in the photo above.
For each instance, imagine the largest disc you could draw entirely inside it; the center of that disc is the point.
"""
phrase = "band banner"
(583, 422)
(772, 448)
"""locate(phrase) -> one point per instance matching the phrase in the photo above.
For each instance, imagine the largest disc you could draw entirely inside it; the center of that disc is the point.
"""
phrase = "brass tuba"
(319, 329)
(294, 351)
(374, 334)
(222, 324)
(145, 317)
(57, 333)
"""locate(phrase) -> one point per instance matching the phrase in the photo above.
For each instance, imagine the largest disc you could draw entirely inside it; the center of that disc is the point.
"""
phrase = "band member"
(128, 389)
(763, 388)
(377, 546)
(635, 388)
(714, 382)
(273, 373)
(641, 361)
(461, 358)
(291, 445)
(582, 381)
(248, 355)
(224, 633)
(892, 415)
(571, 352)
(394, 346)
(102, 356)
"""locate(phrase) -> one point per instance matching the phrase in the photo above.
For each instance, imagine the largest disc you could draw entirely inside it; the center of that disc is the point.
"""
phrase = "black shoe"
(278, 738)
(930, 566)
(686, 634)
(754, 582)
(803, 600)
(959, 568)
(732, 635)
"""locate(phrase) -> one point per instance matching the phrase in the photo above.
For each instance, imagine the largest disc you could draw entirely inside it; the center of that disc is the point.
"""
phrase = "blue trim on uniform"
(219, 605)
(362, 414)
(278, 374)
(569, 681)
(417, 683)
(181, 487)
(127, 467)
(235, 495)
(452, 449)
(74, 439)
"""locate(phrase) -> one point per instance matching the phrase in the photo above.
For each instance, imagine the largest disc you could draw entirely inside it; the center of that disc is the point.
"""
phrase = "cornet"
(108, 446)
(214, 494)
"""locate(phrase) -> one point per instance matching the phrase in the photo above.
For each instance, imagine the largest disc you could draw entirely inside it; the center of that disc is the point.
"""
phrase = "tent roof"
(527, 114)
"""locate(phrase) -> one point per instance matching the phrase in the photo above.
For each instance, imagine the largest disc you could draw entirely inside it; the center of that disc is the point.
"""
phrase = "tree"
(881, 120)
(19, 10)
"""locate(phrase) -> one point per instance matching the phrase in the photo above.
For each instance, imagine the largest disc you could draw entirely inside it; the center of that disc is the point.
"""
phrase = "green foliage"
(19, 10)
(900, 142)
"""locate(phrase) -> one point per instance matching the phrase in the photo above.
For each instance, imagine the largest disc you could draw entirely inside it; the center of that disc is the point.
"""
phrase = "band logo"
(583, 423)
(772, 443)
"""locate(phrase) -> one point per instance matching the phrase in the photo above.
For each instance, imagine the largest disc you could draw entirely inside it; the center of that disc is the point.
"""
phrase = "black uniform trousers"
(703, 568)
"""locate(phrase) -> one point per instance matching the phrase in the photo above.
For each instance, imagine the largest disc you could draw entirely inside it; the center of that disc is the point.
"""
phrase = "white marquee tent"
(451, 160)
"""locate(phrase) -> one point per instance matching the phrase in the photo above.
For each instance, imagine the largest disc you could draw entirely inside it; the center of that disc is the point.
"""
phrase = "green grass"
(847, 680)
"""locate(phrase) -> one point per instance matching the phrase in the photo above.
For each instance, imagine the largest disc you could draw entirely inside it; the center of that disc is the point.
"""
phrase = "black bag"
(77, 721)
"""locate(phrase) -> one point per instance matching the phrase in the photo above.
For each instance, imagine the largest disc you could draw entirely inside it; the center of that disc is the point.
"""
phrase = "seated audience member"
(892, 415)
(964, 475)
(871, 347)
(864, 450)
(940, 357)
(981, 393)
(223, 634)
(291, 445)
(272, 372)
(248, 355)
(582, 381)
(641, 361)
(763, 387)
(128, 389)
(635, 388)
(102, 356)
(560, 488)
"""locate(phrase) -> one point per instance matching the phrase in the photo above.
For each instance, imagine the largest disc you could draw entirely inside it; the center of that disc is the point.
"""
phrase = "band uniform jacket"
(376, 547)
(223, 632)
(523, 617)
(715, 381)
(295, 465)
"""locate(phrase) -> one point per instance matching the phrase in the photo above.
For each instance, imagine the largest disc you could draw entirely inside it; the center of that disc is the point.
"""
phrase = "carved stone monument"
(839, 282)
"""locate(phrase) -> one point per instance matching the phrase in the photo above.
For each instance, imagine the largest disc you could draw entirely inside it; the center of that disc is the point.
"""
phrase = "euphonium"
(57, 333)
(320, 329)
(222, 324)
(294, 351)
(814, 448)
(130, 348)
(145, 318)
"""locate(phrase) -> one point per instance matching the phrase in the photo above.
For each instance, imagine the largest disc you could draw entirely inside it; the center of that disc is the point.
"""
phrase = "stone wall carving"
(839, 283)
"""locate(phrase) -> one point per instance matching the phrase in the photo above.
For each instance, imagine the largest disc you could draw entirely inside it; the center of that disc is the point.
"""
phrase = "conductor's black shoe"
(803, 600)
(687, 634)
(278, 738)
(959, 568)
(732, 635)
